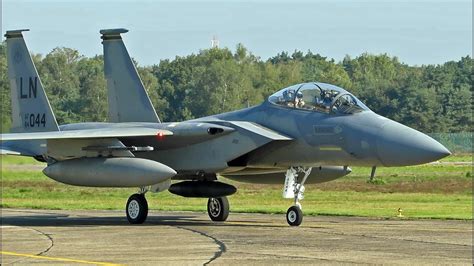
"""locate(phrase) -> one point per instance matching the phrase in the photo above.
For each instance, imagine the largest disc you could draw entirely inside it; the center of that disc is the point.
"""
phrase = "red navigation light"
(160, 135)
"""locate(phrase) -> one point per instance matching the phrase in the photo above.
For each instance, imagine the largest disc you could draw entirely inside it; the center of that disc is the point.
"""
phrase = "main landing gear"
(295, 189)
(218, 209)
(137, 208)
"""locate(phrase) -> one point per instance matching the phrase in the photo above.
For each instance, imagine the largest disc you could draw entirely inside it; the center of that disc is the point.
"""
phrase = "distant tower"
(214, 42)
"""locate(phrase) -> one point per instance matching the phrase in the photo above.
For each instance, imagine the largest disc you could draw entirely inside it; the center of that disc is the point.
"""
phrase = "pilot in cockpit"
(288, 97)
(299, 100)
(327, 99)
(324, 98)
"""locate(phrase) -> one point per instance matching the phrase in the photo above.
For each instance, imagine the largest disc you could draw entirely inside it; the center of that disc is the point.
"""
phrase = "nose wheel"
(294, 190)
(136, 209)
(294, 216)
(218, 209)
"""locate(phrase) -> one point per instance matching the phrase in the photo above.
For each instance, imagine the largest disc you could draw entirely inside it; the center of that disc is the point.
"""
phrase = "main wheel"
(137, 209)
(294, 216)
(218, 209)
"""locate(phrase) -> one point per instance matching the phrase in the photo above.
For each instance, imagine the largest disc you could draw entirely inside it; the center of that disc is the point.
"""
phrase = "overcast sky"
(418, 32)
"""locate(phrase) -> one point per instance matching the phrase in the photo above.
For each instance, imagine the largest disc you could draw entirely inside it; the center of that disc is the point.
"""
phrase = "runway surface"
(105, 237)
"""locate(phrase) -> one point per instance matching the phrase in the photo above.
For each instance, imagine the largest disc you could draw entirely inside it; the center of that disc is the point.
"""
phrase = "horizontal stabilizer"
(89, 134)
(16, 148)
(8, 152)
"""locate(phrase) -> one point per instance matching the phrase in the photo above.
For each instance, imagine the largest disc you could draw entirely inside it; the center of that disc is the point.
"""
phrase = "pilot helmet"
(288, 94)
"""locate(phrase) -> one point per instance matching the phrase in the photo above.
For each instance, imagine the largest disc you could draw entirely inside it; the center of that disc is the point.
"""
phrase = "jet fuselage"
(318, 139)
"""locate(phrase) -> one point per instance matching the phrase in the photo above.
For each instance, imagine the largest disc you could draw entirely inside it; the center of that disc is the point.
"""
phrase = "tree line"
(430, 98)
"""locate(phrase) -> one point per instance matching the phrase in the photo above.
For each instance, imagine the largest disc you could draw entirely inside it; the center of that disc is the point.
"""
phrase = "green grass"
(427, 191)
(427, 171)
(18, 160)
(458, 158)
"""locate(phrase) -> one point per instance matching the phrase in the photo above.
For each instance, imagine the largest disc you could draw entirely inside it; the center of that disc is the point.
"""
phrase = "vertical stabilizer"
(128, 99)
(31, 111)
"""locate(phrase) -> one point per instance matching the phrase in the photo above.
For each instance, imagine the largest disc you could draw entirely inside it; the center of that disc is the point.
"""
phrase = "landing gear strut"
(218, 209)
(137, 208)
(294, 189)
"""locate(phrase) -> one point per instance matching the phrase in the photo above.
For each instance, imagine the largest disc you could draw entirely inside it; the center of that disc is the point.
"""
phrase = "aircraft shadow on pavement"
(64, 220)
(68, 220)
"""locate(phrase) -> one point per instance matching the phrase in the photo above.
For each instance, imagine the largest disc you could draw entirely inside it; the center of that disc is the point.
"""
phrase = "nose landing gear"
(294, 216)
(294, 189)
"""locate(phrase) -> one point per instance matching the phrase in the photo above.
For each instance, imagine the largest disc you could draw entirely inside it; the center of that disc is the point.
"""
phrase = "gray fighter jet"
(306, 133)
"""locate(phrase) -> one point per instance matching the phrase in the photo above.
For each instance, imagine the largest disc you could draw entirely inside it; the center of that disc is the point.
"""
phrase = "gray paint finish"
(128, 99)
(31, 111)
(307, 125)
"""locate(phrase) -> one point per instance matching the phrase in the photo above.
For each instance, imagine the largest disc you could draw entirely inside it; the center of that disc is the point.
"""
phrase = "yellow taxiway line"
(56, 258)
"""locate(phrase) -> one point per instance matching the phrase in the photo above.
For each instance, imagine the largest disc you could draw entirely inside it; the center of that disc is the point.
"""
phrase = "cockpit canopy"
(319, 97)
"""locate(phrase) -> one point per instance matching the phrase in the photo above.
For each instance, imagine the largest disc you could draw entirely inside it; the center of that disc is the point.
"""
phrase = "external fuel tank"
(109, 172)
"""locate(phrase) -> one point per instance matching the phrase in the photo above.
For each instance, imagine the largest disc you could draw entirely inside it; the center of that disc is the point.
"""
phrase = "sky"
(417, 32)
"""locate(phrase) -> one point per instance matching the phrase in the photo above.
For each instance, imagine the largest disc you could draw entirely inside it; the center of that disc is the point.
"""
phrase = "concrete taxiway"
(105, 237)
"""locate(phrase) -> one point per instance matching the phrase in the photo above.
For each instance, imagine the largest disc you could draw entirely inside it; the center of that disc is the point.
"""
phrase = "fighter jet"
(305, 133)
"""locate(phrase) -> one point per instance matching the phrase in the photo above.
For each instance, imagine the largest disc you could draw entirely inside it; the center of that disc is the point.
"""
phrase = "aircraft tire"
(218, 209)
(294, 216)
(136, 209)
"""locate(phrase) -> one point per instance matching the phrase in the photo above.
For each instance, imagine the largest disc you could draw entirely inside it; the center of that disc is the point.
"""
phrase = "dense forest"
(431, 98)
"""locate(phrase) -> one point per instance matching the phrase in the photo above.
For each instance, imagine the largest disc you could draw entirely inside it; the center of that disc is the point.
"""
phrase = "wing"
(76, 143)
(88, 134)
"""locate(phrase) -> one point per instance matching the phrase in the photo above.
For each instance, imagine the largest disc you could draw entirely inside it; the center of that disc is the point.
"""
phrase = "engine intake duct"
(202, 189)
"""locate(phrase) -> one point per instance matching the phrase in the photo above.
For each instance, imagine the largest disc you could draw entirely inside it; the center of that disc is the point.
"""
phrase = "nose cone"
(399, 145)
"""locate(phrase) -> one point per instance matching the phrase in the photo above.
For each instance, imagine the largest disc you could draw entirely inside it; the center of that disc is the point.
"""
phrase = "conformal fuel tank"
(109, 172)
(318, 175)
